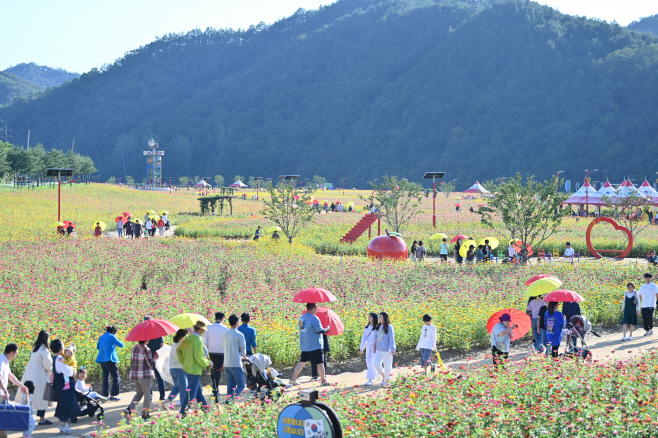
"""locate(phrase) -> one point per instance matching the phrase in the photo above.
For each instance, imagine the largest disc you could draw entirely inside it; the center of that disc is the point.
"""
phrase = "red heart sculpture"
(595, 252)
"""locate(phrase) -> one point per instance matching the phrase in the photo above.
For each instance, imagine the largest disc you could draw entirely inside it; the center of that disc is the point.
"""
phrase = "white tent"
(239, 185)
(607, 190)
(585, 195)
(476, 188)
(201, 183)
(647, 190)
(627, 190)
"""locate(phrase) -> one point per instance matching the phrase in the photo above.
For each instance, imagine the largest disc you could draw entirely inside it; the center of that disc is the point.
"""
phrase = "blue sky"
(78, 35)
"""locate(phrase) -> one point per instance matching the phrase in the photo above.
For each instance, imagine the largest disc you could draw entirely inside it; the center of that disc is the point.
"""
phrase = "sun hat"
(505, 317)
(200, 325)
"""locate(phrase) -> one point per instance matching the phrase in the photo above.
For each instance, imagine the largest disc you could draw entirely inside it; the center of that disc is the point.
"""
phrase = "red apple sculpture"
(388, 247)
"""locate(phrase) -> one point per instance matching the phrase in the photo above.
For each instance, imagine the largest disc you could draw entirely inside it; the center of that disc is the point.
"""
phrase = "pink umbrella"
(537, 277)
(314, 295)
(563, 296)
(328, 316)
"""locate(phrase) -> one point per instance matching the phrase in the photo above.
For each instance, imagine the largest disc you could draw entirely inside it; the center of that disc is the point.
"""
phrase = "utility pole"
(433, 176)
(258, 180)
(28, 139)
(343, 180)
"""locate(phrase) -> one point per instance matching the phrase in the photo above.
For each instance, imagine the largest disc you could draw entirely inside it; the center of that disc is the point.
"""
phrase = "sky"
(78, 35)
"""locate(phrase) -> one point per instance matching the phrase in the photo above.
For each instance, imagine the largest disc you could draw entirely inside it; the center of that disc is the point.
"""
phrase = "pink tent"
(607, 190)
(585, 195)
(238, 184)
(201, 183)
(627, 190)
(476, 188)
(647, 190)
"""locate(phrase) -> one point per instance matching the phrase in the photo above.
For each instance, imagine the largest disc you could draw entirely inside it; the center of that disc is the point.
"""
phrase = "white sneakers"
(368, 383)
(64, 430)
(630, 338)
(651, 332)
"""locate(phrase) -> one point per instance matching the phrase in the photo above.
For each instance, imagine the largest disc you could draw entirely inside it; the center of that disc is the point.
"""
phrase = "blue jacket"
(249, 337)
(554, 324)
(106, 346)
(385, 341)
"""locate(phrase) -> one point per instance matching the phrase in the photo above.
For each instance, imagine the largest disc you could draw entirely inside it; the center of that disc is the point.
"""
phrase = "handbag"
(15, 418)
(49, 393)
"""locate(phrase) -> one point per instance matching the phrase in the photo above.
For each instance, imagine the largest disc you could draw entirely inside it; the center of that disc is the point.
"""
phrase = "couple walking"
(378, 343)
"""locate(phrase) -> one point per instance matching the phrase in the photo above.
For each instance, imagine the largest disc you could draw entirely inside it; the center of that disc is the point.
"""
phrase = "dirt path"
(607, 348)
(168, 233)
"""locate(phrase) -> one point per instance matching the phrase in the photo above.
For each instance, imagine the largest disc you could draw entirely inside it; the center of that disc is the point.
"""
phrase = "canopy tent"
(627, 190)
(477, 188)
(585, 195)
(201, 183)
(607, 190)
(239, 184)
(647, 190)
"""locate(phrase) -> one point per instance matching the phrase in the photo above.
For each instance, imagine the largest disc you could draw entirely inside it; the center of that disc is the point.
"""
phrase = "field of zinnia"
(528, 399)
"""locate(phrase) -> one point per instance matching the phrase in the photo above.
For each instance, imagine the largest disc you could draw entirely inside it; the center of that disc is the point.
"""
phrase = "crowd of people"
(142, 229)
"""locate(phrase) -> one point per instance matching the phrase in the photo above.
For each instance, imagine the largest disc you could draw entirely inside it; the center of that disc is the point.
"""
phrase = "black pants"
(41, 414)
(647, 318)
(216, 368)
(110, 369)
(498, 355)
(161, 385)
(554, 351)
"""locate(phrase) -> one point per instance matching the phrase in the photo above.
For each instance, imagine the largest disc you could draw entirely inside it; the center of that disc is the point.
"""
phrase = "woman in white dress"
(368, 345)
(38, 370)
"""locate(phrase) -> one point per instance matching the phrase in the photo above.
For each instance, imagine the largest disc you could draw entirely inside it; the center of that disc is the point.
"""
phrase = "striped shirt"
(141, 363)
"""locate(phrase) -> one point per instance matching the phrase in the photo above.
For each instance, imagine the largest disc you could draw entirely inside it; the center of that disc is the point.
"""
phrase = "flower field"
(529, 399)
(77, 287)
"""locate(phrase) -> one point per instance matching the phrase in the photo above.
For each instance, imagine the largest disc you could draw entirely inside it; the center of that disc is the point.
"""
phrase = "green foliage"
(238, 178)
(489, 87)
(219, 181)
(447, 188)
(36, 160)
(646, 24)
(41, 75)
(286, 212)
(183, 181)
(111, 180)
(251, 182)
(4, 165)
(527, 212)
(398, 201)
(318, 181)
(130, 180)
(12, 86)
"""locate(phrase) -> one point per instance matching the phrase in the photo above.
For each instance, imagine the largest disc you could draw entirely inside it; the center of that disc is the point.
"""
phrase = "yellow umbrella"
(464, 248)
(272, 229)
(438, 236)
(138, 221)
(154, 216)
(543, 286)
(186, 320)
(151, 211)
(102, 224)
(165, 213)
(493, 242)
(59, 224)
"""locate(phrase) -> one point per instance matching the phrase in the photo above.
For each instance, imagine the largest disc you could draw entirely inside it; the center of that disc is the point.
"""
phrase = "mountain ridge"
(363, 88)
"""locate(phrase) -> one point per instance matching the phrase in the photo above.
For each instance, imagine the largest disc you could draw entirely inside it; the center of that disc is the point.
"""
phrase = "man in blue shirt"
(249, 333)
(311, 344)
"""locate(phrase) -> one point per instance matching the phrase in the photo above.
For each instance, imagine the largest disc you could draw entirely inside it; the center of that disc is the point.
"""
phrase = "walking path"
(604, 349)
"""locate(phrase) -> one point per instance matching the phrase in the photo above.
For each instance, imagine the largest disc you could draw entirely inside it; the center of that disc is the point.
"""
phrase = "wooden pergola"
(208, 203)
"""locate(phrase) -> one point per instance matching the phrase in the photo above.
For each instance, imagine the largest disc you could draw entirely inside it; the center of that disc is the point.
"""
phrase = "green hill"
(363, 88)
(12, 86)
(646, 24)
(42, 75)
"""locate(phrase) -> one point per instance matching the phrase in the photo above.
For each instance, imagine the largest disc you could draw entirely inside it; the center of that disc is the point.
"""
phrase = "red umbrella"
(151, 329)
(537, 277)
(458, 205)
(517, 246)
(480, 205)
(457, 237)
(328, 316)
(314, 295)
(66, 224)
(519, 318)
(563, 296)
(125, 213)
(119, 218)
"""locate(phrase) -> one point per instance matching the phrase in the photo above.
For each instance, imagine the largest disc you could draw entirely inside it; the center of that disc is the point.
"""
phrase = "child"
(427, 342)
(470, 255)
(480, 253)
(85, 389)
(444, 250)
(69, 359)
(27, 400)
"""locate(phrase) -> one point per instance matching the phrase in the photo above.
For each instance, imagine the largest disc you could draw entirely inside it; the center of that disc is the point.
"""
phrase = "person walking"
(444, 250)
(154, 227)
(427, 342)
(311, 345)
(501, 335)
(129, 230)
(6, 376)
(542, 328)
(142, 363)
(120, 228)
(456, 249)
(413, 250)
(108, 359)
(421, 252)
(533, 309)
(38, 371)
(235, 350)
(97, 230)
(368, 346)
(249, 333)
(154, 345)
(67, 409)
(554, 322)
(384, 348)
(631, 309)
(193, 358)
(165, 219)
(214, 343)
(149, 226)
(161, 225)
(175, 367)
(326, 349)
(648, 292)
(137, 230)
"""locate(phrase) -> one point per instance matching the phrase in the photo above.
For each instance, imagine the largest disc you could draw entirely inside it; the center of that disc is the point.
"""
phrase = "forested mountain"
(11, 86)
(646, 24)
(363, 88)
(42, 75)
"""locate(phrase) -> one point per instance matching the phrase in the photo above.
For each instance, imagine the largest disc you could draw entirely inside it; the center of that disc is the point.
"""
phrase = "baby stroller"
(258, 376)
(89, 406)
(576, 329)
